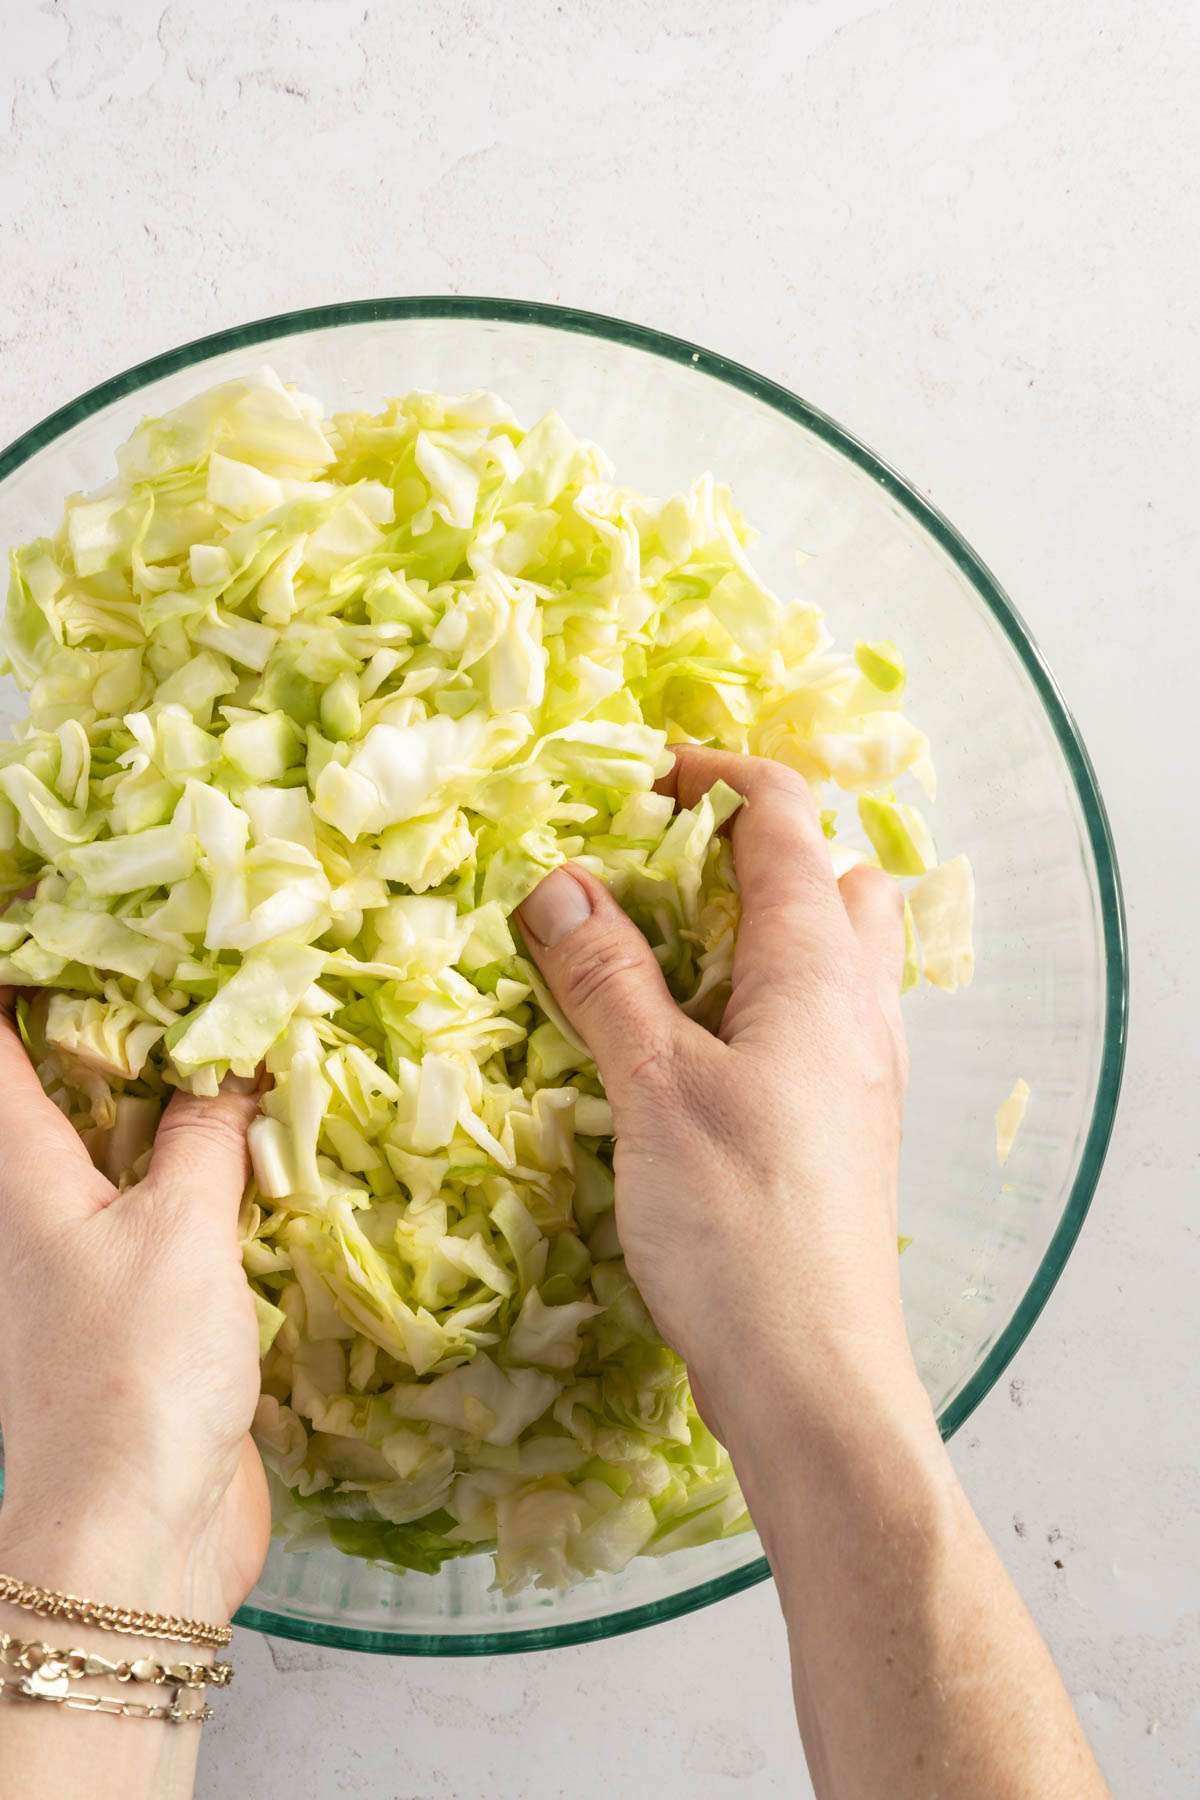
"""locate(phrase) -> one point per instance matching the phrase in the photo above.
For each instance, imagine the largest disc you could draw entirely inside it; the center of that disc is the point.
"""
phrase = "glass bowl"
(1017, 793)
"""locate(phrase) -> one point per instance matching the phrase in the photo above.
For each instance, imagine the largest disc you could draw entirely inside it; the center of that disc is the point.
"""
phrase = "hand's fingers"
(875, 907)
(201, 1144)
(43, 1162)
(778, 844)
(605, 977)
(793, 925)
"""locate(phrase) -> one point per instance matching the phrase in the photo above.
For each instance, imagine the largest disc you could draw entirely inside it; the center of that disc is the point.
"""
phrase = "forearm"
(917, 1670)
(43, 1747)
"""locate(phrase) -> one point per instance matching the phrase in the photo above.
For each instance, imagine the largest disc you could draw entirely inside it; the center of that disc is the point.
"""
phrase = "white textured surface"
(967, 229)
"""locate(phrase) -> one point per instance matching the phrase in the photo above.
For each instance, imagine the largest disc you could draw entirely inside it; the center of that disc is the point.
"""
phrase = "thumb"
(201, 1143)
(605, 977)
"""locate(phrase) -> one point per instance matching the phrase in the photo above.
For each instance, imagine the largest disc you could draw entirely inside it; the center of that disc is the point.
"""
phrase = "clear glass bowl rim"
(1099, 835)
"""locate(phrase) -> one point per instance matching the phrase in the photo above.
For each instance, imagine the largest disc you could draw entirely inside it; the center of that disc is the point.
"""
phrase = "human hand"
(755, 1172)
(128, 1358)
(756, 1204)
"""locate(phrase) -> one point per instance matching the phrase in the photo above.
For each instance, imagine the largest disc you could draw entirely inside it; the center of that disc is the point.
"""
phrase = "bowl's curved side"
(522, 1638)
(1104, 869)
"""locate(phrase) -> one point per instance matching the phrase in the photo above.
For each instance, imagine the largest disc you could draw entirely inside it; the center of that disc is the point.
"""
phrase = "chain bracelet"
(176, 1714)
(74, 1664)
(169, 1627)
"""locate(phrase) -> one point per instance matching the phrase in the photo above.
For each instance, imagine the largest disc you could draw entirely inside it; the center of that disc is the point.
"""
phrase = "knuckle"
(874, 889)
(595, 975)
(202, 1132)
(798, 923)
(788, 783)
(793, 861)
(774, 783)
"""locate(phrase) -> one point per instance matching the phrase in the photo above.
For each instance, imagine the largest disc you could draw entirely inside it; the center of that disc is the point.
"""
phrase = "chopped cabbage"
(943, 912)
(314, 703)
(1010, 1116)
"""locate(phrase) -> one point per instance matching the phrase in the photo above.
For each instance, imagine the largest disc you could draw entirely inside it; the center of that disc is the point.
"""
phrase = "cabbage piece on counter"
(313, 704)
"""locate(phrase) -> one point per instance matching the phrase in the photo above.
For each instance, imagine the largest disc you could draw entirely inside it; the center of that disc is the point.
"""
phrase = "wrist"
(106, 1550)
(853, 1438)
(96, 1559)
(814, 1354)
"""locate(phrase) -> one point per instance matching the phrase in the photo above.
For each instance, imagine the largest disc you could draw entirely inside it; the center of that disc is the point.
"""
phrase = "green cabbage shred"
(314, 703)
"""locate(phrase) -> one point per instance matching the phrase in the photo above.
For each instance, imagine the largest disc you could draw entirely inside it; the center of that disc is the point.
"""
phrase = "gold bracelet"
(72, 1665)
(48, 1604)
(102, 1703)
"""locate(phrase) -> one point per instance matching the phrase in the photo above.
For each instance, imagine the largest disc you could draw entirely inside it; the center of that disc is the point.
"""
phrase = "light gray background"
(967, 228)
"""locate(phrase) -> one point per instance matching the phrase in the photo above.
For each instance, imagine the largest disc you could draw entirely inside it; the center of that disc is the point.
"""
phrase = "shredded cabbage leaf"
(1010, 1116)
(313, 704)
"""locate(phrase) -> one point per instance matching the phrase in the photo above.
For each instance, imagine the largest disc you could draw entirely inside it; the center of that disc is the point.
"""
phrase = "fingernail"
(556, 907)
